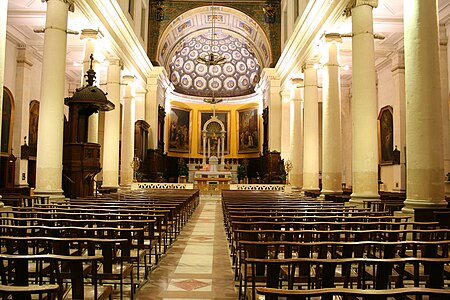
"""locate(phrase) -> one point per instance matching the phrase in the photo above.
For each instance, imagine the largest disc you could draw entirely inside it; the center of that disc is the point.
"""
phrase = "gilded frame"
(203, 117)
(386, 136)
(179, 130)
(248, 136)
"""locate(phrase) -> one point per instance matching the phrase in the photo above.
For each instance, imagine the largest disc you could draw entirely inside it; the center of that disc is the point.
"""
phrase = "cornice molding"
(302, 43)
(107, 15)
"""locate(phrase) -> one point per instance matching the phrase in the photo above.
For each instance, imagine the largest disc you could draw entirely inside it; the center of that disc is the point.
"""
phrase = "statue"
(135, 164)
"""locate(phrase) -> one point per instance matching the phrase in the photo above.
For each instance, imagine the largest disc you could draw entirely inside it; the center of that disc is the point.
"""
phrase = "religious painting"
(179, 130)
(33, 127)
(248, 132)
(223, 117)
(386, 136)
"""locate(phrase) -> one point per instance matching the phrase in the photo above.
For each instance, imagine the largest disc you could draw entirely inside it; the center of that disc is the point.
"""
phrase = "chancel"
(218, 143)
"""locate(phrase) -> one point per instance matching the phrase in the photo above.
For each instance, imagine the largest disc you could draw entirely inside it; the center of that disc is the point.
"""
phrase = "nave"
(166, 244)
(197, 266)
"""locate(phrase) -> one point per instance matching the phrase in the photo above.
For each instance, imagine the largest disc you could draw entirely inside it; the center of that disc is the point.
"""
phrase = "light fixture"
(212, 100)
(212, 59)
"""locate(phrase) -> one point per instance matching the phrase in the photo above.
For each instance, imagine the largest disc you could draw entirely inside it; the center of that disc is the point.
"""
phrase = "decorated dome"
(236, 77)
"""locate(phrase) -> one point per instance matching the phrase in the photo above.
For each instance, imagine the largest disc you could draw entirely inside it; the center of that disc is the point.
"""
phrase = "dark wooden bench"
(114, 268)
(362, 273)
(274, 294)
(14, 270)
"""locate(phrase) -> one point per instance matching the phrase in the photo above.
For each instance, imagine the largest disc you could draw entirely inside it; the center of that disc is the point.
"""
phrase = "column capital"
(90, 34)
(270, 74)
(308, 65)
(114, 61)
(332, 37)
(25, 55)
(71, 4)
(355, 3)
(128, 79)
(397, 61)
(373, 3)
(297, 82)
(443, 39)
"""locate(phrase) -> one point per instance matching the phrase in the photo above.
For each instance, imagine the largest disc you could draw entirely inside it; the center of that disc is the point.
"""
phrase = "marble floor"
(197, 266)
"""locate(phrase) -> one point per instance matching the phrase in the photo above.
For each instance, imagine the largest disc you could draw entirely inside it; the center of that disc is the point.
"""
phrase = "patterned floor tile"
(190, 285)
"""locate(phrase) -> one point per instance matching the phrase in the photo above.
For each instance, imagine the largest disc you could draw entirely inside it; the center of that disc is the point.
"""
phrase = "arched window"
(7, 122)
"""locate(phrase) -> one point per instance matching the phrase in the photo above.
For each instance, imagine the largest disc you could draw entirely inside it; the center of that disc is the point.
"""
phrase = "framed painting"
(223, 117)
(248, 131)
(179, 130)
(386, 136)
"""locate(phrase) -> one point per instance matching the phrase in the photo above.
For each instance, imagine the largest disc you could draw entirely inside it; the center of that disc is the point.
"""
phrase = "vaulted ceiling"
(24, 16)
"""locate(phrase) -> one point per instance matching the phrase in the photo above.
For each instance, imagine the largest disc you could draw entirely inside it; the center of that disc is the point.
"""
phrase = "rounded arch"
(7, 121)
(227, 19)
(216, 120)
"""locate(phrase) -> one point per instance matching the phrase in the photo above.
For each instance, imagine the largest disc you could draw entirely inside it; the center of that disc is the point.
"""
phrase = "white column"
(424, 146)
(311, 130)
(218, 149)
(274, 104)
(364, 104)
(152, 99)
(204, 148)
(399, 117)
(285, 124)
(112, 128)
(3, 18)
(209, 149)
(127, 153)
(296, 156)
(90, 36)
(51, 115)
(445, 98)
(331, 144)
(223, 148)
(346, 129)
(22, 111)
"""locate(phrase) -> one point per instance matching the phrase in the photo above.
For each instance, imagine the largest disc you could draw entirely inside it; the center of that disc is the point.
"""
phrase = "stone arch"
(230, 20)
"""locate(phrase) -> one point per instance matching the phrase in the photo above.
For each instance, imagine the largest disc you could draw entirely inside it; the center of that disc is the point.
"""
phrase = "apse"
(238, 76)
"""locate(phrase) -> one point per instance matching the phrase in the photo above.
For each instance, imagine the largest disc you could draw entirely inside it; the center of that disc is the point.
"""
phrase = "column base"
(359, 199)
(411, 204)
(293, 189)
(323, 193)
(108, 189)
(311, 189)
(54, 195)
(126, 186)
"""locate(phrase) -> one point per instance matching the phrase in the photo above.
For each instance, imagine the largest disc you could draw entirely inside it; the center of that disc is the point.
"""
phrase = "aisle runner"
(198, 265)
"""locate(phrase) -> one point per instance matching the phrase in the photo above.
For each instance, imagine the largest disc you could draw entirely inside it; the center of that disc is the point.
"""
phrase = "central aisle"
(197, 266)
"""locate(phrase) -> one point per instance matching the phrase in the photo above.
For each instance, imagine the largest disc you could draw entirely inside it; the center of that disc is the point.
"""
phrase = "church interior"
(208, 136)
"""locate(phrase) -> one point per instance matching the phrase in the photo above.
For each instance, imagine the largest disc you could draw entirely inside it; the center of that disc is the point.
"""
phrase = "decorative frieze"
(161, 185)
(258, 187)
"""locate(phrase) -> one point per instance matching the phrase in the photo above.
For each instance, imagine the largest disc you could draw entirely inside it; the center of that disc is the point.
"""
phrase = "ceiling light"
(212, 100)
(212, 59)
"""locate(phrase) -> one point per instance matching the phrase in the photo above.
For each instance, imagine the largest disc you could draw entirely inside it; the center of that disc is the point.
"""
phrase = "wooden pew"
(279, 250)
(115, 267)
(274, 294)
(363, 273)
(16, 268)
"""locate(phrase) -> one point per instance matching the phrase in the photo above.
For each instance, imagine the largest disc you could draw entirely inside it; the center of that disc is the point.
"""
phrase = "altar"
(212, 180)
